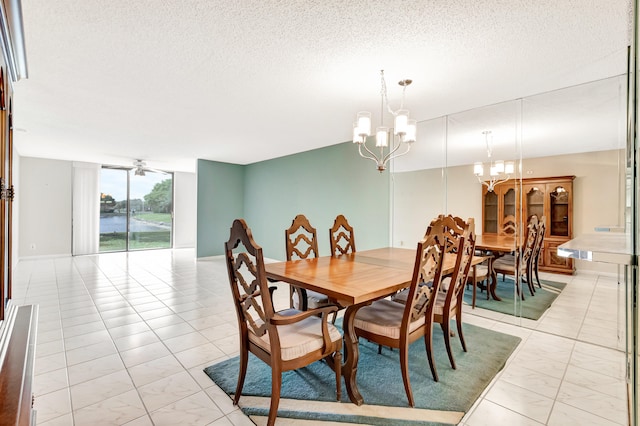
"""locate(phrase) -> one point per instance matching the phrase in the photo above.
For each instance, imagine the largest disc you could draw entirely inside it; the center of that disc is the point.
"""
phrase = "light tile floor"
(123, 339)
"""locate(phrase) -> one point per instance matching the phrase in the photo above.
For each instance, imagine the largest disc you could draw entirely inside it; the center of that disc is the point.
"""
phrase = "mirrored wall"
(567, 151)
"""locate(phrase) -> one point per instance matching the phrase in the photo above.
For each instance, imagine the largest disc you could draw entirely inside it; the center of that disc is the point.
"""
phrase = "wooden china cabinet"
(551, 197)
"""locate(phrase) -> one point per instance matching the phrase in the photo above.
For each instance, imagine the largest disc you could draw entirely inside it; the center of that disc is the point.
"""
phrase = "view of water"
(119, 224)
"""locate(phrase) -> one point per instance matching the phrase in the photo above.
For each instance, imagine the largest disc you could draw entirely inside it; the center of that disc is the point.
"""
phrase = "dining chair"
(480, 274)
(448, 305)
(301, 243)
(398, 325)
(341, 237)
(452, 228)
(521, 263)
(285, 340)
(537, 252)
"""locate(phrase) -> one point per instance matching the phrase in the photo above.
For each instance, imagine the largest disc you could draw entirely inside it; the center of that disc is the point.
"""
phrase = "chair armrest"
(278, 319)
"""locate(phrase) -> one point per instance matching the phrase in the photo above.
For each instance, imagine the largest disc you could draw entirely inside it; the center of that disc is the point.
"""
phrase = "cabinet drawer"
(553, 262)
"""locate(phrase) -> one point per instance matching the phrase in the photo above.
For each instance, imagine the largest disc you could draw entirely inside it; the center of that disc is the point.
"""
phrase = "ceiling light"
(404, 129)
(499, 171)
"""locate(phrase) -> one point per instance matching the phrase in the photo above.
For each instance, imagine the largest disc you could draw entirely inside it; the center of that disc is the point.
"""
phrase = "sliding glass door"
(136, 209)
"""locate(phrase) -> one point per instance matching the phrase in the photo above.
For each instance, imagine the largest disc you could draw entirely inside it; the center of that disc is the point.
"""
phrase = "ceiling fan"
(140, 168)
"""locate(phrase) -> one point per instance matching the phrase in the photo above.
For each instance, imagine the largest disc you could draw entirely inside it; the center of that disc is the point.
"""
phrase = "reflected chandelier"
(404, 129)
(499, 171)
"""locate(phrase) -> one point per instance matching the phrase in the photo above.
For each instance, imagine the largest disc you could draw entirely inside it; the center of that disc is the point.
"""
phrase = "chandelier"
(404, 130)
(499, 171)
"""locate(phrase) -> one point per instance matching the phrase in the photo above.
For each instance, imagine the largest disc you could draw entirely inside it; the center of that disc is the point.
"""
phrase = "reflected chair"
(285, 340)
(509, 225)
(398, 325)
(448, 305)
(302, 243)
(520, 265)
(341, 237)
(537, 252)
(480, 274)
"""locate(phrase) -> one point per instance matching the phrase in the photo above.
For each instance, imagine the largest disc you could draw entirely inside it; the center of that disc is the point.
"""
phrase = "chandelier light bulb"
(364, 123)
(382, 136)
(356, 134)
(412, 130)
(509, 167)
(400, 125)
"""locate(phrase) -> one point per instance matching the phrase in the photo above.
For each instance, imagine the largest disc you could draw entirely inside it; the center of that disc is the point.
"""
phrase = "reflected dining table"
(497, 246)
(352, 281)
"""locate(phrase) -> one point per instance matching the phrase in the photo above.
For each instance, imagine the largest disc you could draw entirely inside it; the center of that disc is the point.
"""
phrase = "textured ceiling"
(244, 81)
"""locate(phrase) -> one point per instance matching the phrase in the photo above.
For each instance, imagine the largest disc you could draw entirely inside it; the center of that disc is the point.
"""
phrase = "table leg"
(350, 367)
(473, 298)
(494, 281)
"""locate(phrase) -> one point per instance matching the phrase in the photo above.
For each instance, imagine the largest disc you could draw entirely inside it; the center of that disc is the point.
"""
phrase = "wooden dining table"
(353, 281)
(496, 246)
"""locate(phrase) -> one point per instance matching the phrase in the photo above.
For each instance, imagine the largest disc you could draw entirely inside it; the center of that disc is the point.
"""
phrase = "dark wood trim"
(16, 371)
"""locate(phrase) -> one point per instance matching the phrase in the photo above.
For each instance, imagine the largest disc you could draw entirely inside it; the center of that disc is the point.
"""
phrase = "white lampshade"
(493, 171)
(509, 167)
(382, 137)
(499, 165)
(364, 123)
(412, 131)
(400, 124)
(478, 170)
(356, 134)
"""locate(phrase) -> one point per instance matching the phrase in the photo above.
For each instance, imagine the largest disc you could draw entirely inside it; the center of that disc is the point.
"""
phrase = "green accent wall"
(220, 201)
(320, 184)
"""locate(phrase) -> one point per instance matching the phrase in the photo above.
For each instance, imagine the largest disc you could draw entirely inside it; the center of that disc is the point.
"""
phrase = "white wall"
(185, 212)
(15, 219)
(44, 199)
(598, 195)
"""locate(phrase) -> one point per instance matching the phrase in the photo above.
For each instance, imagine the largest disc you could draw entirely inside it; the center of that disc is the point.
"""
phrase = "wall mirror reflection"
(568, 152)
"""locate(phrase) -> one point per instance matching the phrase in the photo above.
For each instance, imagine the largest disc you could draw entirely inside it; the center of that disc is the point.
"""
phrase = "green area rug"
(380, 382)
(532, 307)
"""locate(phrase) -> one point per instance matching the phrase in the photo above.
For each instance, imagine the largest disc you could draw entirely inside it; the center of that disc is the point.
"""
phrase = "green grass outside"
(116, 241)
(154, 217)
